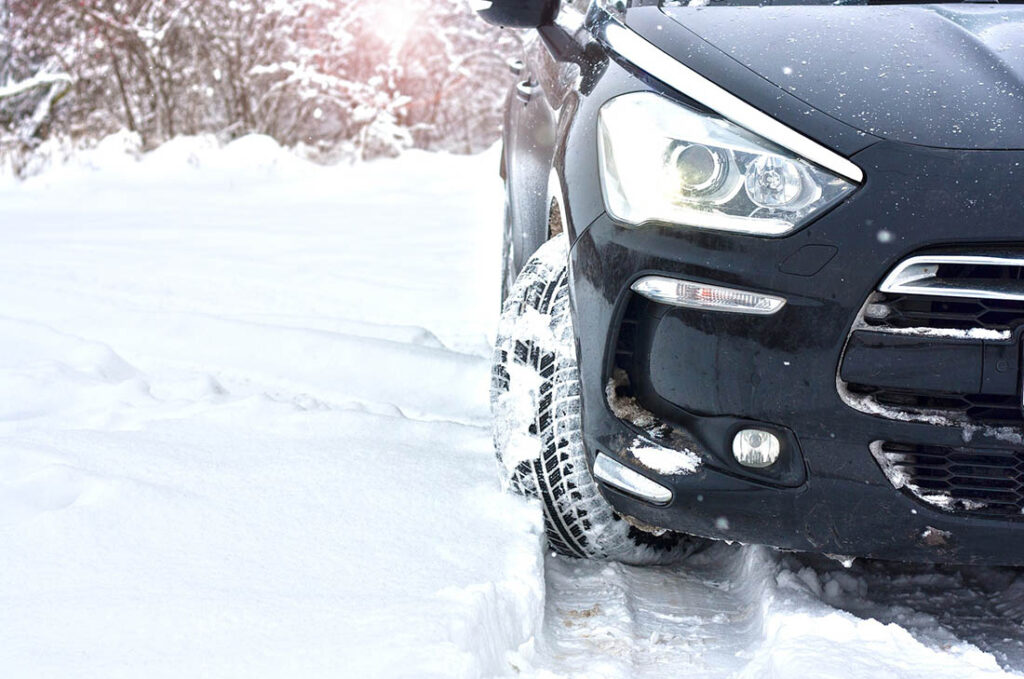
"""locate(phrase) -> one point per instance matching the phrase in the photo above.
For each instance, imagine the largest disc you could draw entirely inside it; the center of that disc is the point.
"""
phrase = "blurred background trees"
(358, 78)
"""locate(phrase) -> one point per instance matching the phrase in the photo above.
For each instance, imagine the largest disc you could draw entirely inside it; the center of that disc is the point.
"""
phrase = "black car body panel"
(528, 154)
(949, 76)
(675, 39)
(707, 374)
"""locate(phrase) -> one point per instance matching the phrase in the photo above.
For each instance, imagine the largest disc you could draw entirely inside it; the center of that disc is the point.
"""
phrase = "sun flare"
(393, 22)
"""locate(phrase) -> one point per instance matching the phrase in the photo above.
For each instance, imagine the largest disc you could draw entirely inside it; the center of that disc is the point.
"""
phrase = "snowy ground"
(243, 433)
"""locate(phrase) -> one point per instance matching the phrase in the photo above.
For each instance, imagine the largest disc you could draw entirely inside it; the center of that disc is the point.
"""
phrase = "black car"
(764, 276)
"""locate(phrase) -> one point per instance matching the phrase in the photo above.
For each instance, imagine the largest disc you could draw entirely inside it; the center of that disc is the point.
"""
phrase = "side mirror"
(518, 13)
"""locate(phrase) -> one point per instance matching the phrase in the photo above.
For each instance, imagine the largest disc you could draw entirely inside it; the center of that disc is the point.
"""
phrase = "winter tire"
(535, 403)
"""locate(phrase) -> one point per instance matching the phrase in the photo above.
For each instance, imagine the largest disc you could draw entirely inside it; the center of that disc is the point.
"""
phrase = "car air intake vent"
(937, 343)
(982, 481)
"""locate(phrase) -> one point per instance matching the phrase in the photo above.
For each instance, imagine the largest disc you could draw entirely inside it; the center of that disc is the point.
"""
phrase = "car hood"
(935, 75)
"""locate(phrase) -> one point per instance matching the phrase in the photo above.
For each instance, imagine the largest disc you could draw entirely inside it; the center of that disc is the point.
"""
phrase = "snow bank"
(243, 420)
(183, 160)
(888, 622)
(804, 638)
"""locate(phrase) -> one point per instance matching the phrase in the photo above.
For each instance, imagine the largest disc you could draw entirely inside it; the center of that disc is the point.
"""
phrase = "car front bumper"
(706, 373)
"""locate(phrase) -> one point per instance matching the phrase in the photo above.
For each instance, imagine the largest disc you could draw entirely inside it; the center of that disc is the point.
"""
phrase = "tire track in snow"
(752, 612)
(313, 368)
(696, 619)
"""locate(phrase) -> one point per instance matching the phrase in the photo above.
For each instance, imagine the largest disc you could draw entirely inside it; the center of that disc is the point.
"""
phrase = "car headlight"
(664, 162)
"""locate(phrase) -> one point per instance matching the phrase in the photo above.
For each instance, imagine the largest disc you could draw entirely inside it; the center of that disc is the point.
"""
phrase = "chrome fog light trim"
(681, 293)
(618, 475)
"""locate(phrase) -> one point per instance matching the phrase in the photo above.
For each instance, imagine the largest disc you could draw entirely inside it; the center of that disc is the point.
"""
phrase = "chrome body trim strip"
(621, 477)
(651, 59)
(920, 276)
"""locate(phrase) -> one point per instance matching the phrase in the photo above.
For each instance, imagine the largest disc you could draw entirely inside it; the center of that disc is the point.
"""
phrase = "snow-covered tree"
(372, 76)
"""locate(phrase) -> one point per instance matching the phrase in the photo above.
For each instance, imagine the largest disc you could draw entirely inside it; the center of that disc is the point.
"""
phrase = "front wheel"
(535, 403)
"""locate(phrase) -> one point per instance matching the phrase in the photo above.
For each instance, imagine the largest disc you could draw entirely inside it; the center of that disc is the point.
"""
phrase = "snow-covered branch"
(38, 80)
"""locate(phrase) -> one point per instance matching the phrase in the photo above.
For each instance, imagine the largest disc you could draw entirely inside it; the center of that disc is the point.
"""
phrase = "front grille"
(984, 481)
(951, 356)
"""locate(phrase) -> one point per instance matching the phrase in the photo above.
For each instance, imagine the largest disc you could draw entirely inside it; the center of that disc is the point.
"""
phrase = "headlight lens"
(663, 162)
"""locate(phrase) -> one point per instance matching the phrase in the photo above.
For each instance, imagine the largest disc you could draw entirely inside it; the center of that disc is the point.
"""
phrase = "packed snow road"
(244, 433)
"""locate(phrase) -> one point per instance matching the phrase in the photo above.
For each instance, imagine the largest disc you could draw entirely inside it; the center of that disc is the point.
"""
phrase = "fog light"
(703, 296)
(756, 448)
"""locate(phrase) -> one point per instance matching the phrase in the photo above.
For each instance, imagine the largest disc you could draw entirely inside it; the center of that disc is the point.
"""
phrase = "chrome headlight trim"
(651, 59)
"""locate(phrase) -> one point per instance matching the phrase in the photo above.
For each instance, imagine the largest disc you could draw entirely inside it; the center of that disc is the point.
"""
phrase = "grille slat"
(975, 486)
(975, 468)
(979, 473)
